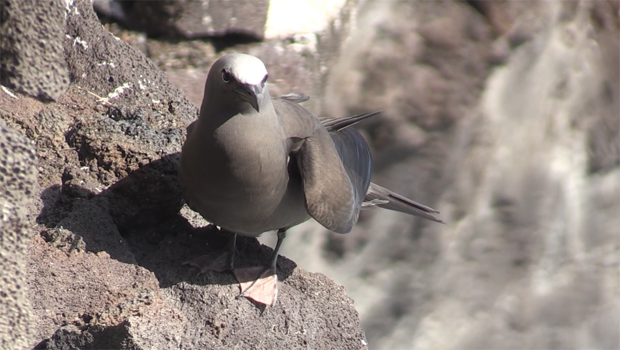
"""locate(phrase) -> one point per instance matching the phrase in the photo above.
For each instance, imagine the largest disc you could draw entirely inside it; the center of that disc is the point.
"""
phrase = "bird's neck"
(227, 111)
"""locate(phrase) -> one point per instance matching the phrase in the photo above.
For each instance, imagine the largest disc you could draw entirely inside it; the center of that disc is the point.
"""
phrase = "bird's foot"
(216, 261)
(259, 284)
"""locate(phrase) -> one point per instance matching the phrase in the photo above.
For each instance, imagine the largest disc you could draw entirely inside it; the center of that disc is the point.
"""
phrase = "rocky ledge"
(93, 246)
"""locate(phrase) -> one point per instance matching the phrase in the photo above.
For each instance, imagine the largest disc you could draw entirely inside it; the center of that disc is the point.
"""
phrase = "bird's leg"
(261, 284)
(217, 261)
(274, 258)
(232, 246)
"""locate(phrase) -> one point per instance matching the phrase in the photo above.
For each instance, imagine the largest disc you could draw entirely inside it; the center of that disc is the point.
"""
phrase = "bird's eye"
(226, 76)
(264, 80)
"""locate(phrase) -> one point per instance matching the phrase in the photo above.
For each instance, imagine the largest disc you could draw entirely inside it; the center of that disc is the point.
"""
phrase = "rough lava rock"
(37, 70)
(18, 176)
(104, 267)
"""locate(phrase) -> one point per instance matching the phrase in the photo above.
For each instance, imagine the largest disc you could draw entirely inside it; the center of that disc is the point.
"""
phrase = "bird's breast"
(254, 162)
(236, 177)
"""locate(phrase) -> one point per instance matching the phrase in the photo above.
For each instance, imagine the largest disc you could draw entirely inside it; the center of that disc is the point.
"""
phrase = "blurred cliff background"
(503, 115)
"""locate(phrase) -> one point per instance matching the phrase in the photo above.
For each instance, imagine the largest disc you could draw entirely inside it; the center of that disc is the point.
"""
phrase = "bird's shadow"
(144, 209)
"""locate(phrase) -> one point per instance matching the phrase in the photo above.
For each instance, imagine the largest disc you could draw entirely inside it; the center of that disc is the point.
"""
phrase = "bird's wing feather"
(294, 97)
(329, 193)
(336, 175)
(355, 157)
(334, 167)
(375, 196)
(297, 121)
(335, 124)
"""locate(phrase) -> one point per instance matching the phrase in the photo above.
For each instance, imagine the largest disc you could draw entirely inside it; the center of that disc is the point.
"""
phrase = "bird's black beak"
(252, 94)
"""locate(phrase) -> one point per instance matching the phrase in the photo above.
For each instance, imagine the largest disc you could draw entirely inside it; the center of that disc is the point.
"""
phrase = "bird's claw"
(259, 284)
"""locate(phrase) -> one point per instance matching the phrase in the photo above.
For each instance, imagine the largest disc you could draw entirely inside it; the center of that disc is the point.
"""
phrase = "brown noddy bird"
(252, 164)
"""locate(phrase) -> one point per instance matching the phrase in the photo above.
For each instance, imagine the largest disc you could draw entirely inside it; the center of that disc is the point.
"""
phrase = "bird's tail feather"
(384, 198)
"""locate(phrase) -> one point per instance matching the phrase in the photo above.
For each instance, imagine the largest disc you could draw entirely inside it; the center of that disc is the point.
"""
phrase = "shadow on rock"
(146, 197)
(96, 337)
(137, 220)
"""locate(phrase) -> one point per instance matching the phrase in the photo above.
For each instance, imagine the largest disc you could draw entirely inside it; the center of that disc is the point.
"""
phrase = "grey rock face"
(17, 187)
(108, 68)
(31, 48)
(190, 19)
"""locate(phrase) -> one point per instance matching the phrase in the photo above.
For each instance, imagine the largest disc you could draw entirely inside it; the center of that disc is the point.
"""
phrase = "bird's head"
(240, 78)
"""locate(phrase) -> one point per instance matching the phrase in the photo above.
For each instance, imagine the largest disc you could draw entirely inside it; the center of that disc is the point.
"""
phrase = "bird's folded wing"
(328, 191)
(297, 121)
(330, 195)
(356, 159)
(294, 97)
